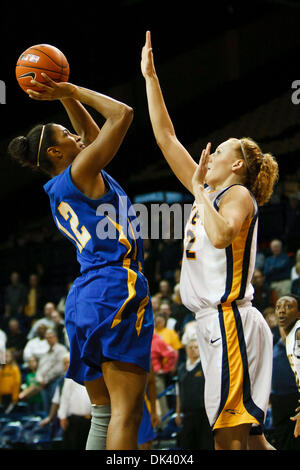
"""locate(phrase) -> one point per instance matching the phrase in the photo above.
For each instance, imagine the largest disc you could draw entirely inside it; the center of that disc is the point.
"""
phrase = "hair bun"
(18, 147)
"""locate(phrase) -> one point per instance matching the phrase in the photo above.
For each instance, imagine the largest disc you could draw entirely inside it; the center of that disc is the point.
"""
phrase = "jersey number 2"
(81, 236)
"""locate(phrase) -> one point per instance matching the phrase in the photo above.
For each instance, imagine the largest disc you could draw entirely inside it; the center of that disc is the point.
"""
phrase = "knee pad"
(99, 425)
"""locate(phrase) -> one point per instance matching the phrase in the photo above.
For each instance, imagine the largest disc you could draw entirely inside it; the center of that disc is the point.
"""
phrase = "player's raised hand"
(52, 90)
(201, 170)
(147, 62)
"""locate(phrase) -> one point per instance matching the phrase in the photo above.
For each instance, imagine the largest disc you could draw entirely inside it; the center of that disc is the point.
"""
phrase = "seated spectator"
(295, 289)
(196, 432)
(35, 402)
(155, 300)
(34, 298)
(38, 345)
(3, 339)
(74, 413)
(264, 296)
(260, 261)
(294, 274)
(15, 339)
(164, 360)
(164, 291)
(165, 308)
(14, 297)
(62, 302)
(284, 399)
(179, 311)
(277, 269)
(49, 372)
(10, 380)
(270, 317)
(167, 334)
(59, 326)
(49, 307)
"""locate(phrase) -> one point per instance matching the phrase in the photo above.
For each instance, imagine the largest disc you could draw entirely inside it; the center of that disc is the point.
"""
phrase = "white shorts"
(236, 349)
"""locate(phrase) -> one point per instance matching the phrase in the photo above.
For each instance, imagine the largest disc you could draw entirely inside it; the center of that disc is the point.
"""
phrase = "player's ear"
(54, 152)
(238, 165)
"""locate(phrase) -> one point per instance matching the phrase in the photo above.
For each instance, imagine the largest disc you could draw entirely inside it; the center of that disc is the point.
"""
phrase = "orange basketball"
(38, 59)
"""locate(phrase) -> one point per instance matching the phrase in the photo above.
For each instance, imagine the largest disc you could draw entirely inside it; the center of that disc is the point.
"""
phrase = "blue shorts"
(108, 316)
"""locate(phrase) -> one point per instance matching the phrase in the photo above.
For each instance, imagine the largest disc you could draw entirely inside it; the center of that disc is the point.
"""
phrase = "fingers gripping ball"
(38, 59)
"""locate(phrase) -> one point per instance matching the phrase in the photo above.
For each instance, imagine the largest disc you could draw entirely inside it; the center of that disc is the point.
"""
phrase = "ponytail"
(262, 170)
(31, 150)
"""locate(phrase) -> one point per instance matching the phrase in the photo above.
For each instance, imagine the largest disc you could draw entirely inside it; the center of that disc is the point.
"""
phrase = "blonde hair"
(262, 170)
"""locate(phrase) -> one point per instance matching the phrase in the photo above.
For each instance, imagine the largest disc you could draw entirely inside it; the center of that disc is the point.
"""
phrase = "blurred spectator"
(295, 289)
(165, 308)
(49, 307)
(3, 339)
(155, 300)
(34, 298)
(59, 326)
(38, 345)
(294, 274)
(74, 412)
(10, 380)
(15, 339)
(164, 291)
(196, 432)
(264, 296)
(277, 269)
(62, 302)
(179, 311)
(164, 359)
(167, 334)
(270, 317)
(189, 333)
(260, 261)
(49, 372)
(284, 400)
(35, 402)
(14, 297)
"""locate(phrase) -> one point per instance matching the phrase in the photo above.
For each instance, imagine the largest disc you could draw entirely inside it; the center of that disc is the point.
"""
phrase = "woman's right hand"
(147, 63)
(51, 90)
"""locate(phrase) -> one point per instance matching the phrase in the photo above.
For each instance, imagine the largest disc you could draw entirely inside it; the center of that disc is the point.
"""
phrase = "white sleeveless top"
(211, 276)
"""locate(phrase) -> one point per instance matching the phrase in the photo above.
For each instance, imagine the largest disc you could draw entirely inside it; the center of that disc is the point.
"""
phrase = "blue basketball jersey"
(104, 231)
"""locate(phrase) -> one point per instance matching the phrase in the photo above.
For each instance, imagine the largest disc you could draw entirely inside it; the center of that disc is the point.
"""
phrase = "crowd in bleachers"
(32, 332)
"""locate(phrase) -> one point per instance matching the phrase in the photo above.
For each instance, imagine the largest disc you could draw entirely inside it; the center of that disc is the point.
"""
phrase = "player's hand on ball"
(198, 179)
(52, 90)
(147, 63)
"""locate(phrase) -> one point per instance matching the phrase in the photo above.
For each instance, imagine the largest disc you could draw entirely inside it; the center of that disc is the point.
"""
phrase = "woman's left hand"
(201, 170)
(52, 90)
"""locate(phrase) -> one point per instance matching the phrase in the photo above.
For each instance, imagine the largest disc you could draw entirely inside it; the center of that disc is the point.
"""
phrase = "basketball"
(38, 59)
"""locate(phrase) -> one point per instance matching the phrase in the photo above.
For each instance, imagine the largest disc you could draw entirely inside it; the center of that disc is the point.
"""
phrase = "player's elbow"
(223, 240)
(165, 140)
(127, 113)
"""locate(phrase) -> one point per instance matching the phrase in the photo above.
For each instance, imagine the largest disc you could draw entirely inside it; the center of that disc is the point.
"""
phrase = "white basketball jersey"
(293, 352)
(211, 276)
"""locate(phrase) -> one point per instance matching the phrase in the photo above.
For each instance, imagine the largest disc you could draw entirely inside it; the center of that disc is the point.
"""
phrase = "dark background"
(226, 69)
